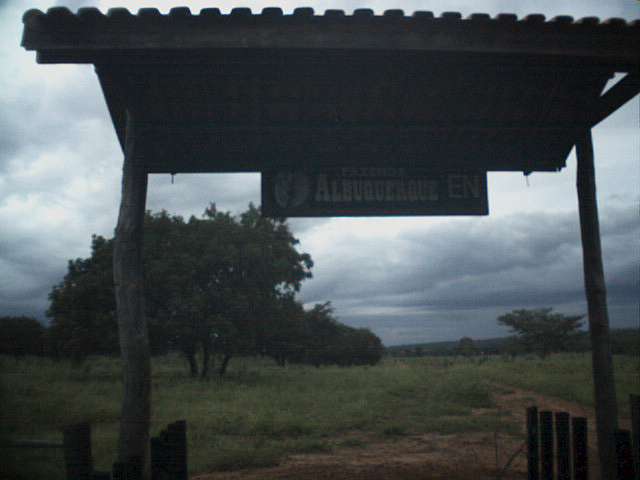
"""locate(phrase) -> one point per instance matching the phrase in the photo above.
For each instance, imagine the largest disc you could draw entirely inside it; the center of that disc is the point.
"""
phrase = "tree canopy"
(466, 347)
(21, 336)
(543, 331)
(218, 284)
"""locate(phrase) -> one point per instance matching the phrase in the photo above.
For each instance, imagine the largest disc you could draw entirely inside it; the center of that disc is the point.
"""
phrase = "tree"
(82, 307)
(266, 273)
(326, 341)
(542, 331)
(21, 336)
(216, 284)
(466, 347)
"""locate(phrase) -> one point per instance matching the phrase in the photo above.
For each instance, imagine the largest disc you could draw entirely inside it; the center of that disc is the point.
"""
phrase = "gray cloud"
(60, 167)
(474, 265)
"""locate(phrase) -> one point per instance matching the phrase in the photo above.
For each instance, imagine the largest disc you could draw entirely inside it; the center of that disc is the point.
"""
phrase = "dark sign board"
(374, 191)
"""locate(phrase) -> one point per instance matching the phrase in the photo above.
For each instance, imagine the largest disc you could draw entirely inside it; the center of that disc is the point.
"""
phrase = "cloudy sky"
(408, 279)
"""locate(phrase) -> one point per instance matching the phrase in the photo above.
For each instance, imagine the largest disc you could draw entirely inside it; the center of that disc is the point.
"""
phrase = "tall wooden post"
(133, 440)
(602, 364)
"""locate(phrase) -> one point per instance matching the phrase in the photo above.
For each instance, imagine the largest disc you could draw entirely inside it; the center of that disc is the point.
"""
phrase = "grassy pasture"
(566, 376)
(260, 412)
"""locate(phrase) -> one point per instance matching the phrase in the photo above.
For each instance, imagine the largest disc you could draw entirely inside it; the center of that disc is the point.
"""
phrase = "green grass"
(260, 413)
(565, 376)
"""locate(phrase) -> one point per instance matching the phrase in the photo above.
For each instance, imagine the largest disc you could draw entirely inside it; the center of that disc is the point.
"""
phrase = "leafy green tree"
(281, 334)
(215, 284)
(21, 336)
(327, 341)
(82, 306)
(268, 271)
(543, 331)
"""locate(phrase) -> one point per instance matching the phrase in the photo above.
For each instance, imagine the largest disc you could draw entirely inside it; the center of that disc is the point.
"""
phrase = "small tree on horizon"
(541, 330)
(466, 347)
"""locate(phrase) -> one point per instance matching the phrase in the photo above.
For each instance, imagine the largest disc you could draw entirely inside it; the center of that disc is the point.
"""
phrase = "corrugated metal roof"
(64, 36)
(63, 16)
(247, 92)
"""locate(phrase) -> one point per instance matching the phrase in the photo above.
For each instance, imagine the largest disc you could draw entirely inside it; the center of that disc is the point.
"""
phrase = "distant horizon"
(504, 334)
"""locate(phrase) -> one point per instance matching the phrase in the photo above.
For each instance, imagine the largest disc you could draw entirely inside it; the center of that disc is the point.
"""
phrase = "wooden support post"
(130, 470)
(546, 446)
(602, 364)
(563, 446)
(77, 451)
(533, 452)
(133, 442)
(624, 459)
(177, 434)
(169, 453)
(580, 448)
(634, 404)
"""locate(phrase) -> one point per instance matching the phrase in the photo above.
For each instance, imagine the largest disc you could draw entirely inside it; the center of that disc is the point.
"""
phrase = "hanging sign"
(374, 191)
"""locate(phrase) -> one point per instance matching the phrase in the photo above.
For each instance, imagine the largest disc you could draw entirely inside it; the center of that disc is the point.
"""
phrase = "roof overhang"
(244, 92)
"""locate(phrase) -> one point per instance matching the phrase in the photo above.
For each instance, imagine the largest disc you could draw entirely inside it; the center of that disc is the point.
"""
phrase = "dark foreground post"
(580, 448)
(533, 454)
(546, 445)
(563, 446)
(623, 454)
(131, 470)
(634, 401)
(169, 453)
(133, 439)
(177, 434)
(77, 451)
(602, 365)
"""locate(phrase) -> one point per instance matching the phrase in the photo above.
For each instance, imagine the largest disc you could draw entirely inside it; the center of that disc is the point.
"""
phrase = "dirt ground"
(428, 456)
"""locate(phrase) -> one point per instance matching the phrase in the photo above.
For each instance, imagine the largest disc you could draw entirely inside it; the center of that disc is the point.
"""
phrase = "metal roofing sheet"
(248, 92)
(61, 35)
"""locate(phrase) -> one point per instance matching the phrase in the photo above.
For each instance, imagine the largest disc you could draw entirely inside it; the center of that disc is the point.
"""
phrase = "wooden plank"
(596, 293)
(247, 149)
(563, 446)
(580, 448)
(30, 444)
(634, 404)
(624, 455)
(129, 290)
(546, 445)
(177, 433)
(377, 191)
(533, 452)
(131, 470)
(77, 451)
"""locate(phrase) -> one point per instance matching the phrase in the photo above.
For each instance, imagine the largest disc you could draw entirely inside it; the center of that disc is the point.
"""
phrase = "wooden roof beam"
(617, 96)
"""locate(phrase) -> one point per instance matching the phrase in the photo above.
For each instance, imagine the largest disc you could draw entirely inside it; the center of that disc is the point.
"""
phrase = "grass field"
(260, 412)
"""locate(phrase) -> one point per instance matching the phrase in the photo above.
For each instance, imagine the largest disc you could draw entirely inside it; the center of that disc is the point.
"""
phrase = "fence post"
(533, 454)
(546, 445)
(131, 470)
(177, 436)
(169, 453)
(158, 458)
(580, 448)
(624, 461)
(634, 401)
(77, 451)
(563, 446)
(101, 476)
